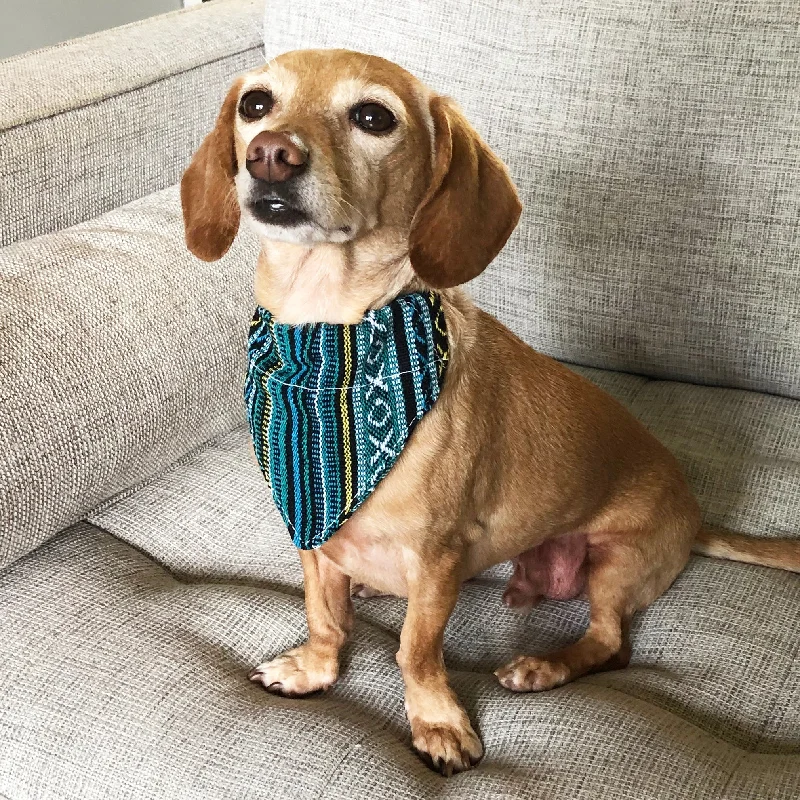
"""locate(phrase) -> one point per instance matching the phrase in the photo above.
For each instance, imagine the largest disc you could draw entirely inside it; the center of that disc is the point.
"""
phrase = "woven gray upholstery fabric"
(654, 145)
(94, 123)
(120, 352)
(136, 687)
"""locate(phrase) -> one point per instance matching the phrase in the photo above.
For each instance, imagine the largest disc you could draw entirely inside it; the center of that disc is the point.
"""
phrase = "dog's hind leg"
(622, 579)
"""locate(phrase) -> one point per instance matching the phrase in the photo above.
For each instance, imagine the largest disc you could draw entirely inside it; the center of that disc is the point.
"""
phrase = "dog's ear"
(470, 208)
(208, 195)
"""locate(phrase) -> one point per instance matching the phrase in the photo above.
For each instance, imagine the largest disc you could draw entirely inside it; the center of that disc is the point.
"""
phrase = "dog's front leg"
(314, 665)
(440, 728)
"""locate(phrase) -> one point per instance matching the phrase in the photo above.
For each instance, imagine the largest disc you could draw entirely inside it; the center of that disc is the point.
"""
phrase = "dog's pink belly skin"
(555, 569)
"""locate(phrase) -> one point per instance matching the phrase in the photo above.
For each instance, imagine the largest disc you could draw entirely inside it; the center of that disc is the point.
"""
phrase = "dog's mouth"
(281, 206)
(275, 210)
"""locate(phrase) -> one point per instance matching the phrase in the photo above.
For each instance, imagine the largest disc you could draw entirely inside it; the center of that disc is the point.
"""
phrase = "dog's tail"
(720, 543)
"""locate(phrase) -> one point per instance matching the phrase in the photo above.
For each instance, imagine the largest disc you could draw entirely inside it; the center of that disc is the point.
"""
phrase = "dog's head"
(330, 146)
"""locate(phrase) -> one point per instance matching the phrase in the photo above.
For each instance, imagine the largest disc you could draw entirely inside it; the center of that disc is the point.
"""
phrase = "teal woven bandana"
(331, 406)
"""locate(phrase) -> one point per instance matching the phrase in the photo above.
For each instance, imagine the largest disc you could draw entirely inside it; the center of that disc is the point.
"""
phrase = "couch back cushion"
(656, 147)
(96, 122)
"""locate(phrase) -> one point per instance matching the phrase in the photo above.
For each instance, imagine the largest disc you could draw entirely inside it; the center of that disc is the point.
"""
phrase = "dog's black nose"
(273, 157)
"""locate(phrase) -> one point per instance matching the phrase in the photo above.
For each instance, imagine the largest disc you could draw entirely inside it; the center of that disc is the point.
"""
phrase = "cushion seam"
(742, 758)
(660, 379)
(123, 494)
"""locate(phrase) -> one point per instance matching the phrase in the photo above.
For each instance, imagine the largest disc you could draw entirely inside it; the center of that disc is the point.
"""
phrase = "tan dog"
(363, 184)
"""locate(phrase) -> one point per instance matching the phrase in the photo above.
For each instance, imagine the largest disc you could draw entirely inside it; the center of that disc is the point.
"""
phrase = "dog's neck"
(330, 282)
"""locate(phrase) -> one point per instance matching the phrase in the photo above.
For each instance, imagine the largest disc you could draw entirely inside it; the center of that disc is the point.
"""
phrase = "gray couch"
(144, 570)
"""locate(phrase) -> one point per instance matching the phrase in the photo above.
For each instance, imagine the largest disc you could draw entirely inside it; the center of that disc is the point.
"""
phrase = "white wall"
(28, 24)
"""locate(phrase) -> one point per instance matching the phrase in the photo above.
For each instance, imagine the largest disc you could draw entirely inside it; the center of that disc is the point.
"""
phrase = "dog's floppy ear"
(470, 208)
(208, 195)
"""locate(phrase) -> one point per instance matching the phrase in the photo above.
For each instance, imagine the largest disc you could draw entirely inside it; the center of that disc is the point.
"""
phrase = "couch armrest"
(120, 352)
(94, 123)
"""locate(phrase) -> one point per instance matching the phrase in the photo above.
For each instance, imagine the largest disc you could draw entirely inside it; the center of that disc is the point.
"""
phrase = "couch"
(143, 567)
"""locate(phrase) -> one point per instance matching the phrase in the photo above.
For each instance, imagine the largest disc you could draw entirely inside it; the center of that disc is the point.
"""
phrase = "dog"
(365, 186)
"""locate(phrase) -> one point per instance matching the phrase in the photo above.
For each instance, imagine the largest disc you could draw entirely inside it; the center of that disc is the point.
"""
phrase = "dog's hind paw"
(519, 600)
(532, 674)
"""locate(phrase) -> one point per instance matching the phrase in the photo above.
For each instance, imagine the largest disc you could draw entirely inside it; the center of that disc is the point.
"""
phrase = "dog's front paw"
(297, 672)
(532, 674)
(447, 748)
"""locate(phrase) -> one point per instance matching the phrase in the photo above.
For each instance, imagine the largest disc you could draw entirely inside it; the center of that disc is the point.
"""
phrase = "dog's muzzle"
(275, 162)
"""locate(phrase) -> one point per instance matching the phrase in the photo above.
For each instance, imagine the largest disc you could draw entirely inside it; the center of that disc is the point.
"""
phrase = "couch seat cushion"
(121, 680)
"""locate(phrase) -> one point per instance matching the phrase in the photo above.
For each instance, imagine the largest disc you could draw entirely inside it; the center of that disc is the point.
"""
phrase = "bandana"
(330, 407)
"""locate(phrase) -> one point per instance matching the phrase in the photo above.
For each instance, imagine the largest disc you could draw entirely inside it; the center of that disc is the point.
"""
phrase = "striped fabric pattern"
(330, 407)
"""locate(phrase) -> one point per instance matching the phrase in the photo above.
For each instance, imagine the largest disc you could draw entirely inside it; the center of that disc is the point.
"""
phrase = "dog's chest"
(371, 556)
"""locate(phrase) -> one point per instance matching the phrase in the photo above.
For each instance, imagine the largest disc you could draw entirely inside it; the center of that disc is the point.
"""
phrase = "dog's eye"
(373, 118)
(256, 104)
